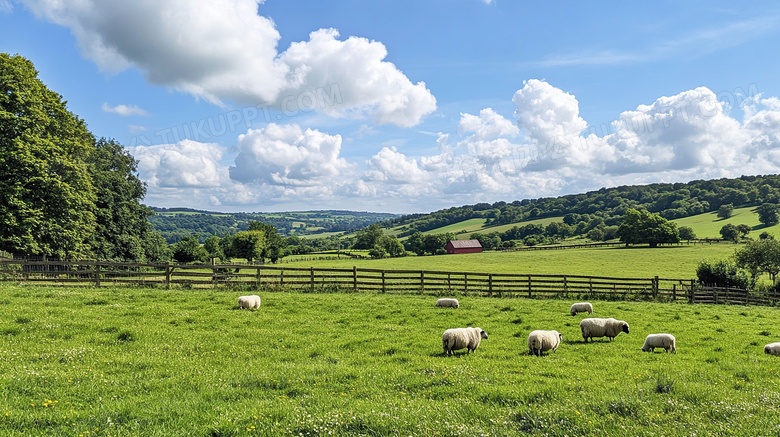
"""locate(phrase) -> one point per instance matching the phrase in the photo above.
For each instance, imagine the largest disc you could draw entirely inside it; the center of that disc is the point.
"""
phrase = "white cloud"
(390, 165)
(366, 84)
(487, 125)
(684, 131)
(186, 164)
(125, 110)
(547, 113)
(288, 155)
(227, 51)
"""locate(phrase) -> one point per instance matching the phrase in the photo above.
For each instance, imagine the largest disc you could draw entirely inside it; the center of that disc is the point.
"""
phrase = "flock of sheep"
(539, 341)
(542, 341)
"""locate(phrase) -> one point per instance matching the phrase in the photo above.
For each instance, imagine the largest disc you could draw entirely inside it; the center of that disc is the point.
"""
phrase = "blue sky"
(400, 106)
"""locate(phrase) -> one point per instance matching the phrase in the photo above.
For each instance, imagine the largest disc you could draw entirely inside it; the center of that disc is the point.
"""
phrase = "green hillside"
(708, 225)
(485, 229)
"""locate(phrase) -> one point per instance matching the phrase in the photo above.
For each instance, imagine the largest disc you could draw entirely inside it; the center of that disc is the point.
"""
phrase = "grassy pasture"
(678, 262)
(147, 362)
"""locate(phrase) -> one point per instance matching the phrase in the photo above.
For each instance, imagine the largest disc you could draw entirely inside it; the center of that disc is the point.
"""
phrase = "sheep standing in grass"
(594, 327)
(462, 338)
(540, 341)
(581, 307)
(772, 348)
(447, 303)
(665, 341)
(249, 302)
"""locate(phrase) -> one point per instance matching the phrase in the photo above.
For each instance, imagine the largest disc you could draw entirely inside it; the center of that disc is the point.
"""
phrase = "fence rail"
(376, 280)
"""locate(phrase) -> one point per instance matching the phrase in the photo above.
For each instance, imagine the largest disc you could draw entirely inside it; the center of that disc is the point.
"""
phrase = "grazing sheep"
(462, 338)
(249, 302)
(594, 327)
(772, 348)
(540, 341)
(665, 341)
(581, 307)
(448, 303)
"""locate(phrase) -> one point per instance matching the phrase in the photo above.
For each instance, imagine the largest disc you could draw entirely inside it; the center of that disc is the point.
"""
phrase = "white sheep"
(581, 307)
(249, 302)
(772, 348)
(448, 303)
(462, 338)
(665, 341)
(594, 327)
(540, 341)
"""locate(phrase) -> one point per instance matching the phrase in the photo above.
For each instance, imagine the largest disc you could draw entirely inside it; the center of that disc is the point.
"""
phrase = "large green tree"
(63, 193)
(47, 199)
(643, 227)
(274, 245)
(767, 214)
(760, 256)
(368, 237)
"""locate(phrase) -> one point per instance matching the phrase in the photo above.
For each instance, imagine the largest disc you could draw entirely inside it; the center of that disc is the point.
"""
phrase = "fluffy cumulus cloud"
(546, 113)
(288, 155)
(228, 51)
(187, 164)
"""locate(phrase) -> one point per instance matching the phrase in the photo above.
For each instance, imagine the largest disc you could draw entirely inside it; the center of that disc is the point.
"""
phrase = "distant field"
(466, 226)
(708, 225)
(667, 262)
(152, 362)
(504, 228)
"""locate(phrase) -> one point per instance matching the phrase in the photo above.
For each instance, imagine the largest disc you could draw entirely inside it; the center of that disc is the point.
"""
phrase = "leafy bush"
(723, 273)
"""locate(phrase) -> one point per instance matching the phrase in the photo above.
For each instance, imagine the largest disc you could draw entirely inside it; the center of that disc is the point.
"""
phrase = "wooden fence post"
(354, 279)
(384, 290)
(281, 277)
(312, 278)
(168, 272)
(465, 283)
(490, 284)
(565, 287)
(529, 286)
(422, 281)
(655, 287)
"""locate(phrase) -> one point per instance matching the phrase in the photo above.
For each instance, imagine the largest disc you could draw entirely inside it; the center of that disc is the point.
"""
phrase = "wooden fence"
(376, 281)
(610, 244)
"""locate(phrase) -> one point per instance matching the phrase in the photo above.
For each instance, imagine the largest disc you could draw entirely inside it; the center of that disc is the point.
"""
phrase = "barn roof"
(465, 244)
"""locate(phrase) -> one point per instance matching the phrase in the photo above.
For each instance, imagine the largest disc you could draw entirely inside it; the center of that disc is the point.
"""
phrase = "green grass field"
(677, 262)
(150, 362)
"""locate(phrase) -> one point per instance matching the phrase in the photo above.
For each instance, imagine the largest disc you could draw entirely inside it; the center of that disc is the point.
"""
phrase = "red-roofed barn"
(464, 246)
